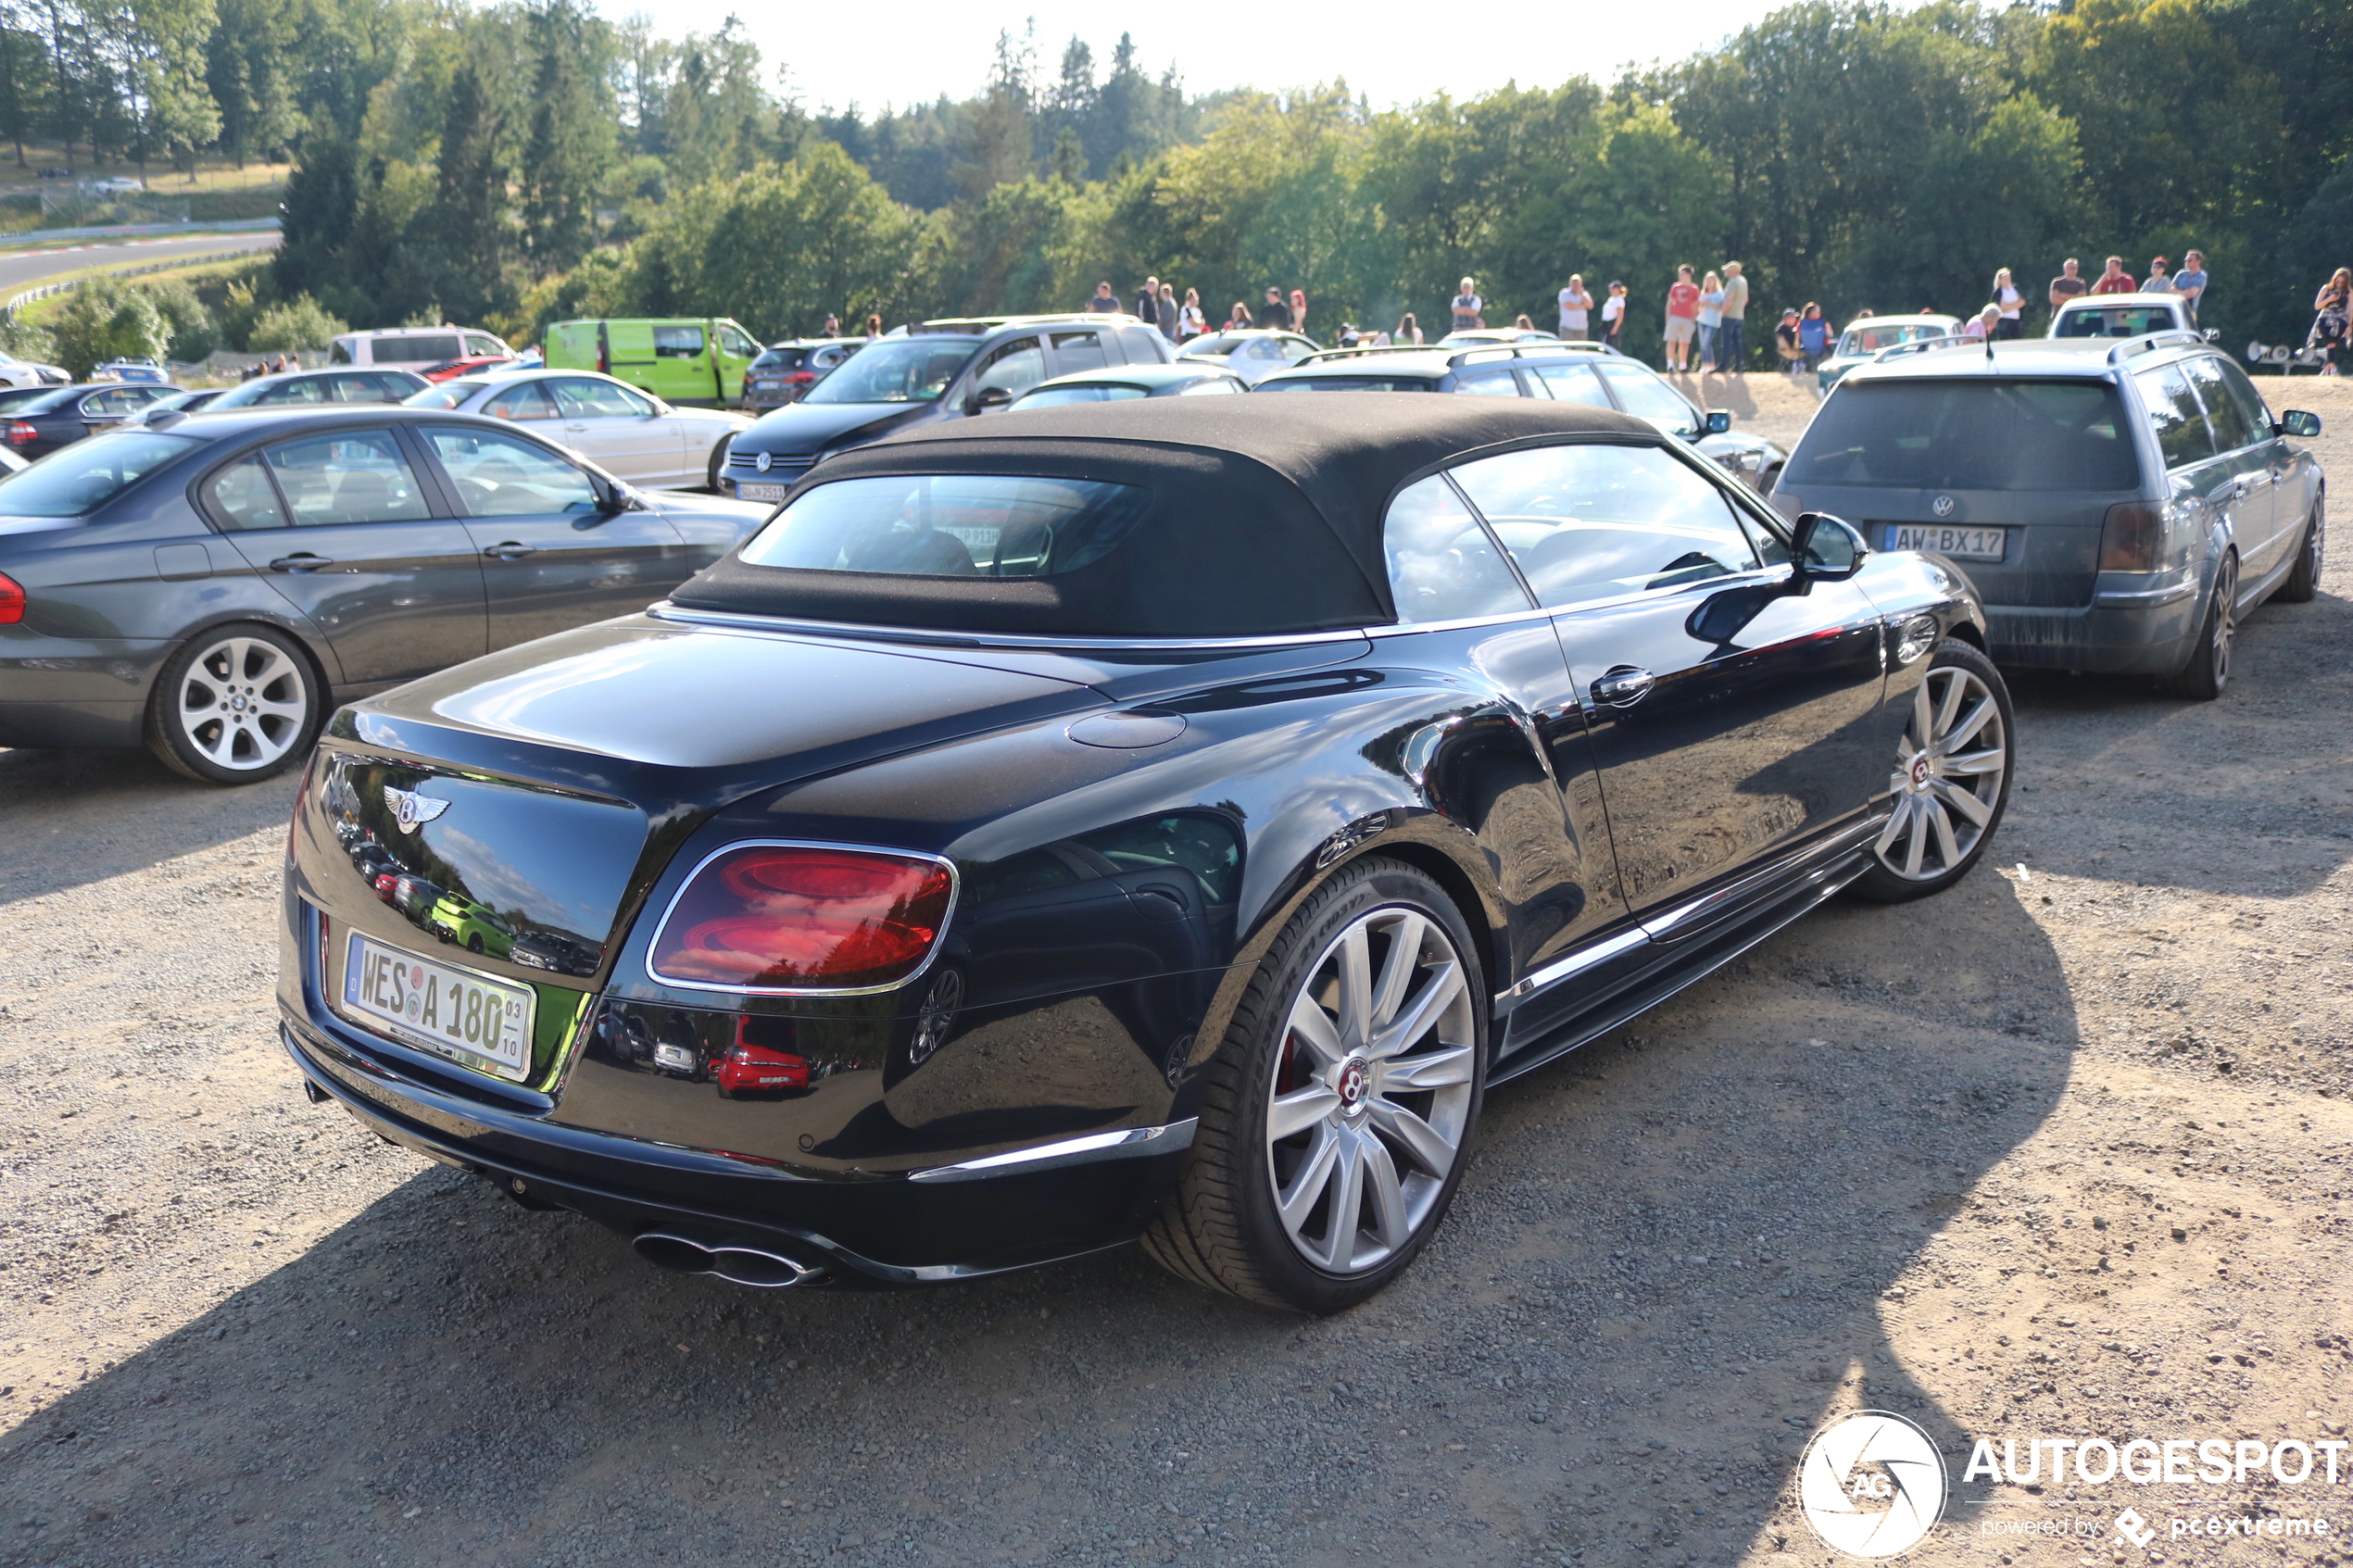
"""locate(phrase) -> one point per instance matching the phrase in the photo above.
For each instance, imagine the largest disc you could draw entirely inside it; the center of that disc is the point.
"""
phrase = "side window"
(2252, 407)
(1143, 346)
(339, 353)
(2231, 427)
(113, 403)
(1645, 397)
(1208, 387)
(677, 343)
(1077, 351)
(737, 346)
(482, 342)
(506, 476)
(1493, 383)
(356, 389)
(1295, 349)
(294, 392)
(396, 388)
(527, 401)
(1573, 383)
(1016, 366)
(1442, 564)
(1591, 521)
(2174, 414)
(577, 397)
(241, 497)
(350, 476)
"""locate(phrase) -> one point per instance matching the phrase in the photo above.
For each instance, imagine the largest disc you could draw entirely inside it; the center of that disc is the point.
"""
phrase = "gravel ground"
(2064, 1152)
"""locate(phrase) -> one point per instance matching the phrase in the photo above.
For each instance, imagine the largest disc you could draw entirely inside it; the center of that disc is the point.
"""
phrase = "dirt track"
(2064, 1153)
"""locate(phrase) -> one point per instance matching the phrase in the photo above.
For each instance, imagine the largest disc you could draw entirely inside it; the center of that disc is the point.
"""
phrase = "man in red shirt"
(1682, 319)
(2115, 280)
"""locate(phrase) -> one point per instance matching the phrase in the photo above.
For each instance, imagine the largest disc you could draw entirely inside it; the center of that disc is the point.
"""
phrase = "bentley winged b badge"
(412, 810)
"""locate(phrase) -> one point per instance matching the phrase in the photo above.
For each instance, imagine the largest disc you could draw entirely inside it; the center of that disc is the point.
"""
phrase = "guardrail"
(8, 312)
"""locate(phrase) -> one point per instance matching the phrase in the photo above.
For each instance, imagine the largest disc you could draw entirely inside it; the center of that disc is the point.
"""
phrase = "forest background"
(513, 164)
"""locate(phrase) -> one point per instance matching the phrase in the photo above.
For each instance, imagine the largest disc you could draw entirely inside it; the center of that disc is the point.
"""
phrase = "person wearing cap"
(1613, 314)
(2161, 282)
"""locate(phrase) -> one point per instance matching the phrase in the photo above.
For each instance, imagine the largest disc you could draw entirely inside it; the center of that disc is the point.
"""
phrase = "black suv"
(2119, 508)
(785, 372)
(934, 371)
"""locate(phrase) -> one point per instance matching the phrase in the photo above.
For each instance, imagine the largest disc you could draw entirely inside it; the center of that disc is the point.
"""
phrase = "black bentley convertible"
(1154, 819)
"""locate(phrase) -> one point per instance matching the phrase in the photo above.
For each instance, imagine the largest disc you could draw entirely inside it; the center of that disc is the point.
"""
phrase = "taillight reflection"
(11, 600)
(2131, 538)
(793, 917)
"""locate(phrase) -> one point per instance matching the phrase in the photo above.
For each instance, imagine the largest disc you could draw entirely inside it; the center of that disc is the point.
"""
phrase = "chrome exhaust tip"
(753, 1266)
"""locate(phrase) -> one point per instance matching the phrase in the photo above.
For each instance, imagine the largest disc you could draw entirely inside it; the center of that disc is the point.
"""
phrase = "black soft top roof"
(1266, 517)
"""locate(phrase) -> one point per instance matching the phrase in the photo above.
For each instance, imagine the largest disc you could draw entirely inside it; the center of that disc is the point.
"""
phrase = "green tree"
(175, 112)
(104, 318)
(472, 224)
(571, 144)
(249, 72)
(296, 324)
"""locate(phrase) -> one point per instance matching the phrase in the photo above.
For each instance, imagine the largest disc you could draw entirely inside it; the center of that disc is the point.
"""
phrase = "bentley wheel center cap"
(1922, 769)
(1352, 1082)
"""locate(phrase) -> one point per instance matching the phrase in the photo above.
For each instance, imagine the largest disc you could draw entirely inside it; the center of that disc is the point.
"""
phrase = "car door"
(621, 430)
(1013, 366)
(338, 523)
(683, 371)
(2196, 468)
(2295, 485)
(2241, 446)
(1730, 716)
(553, 555)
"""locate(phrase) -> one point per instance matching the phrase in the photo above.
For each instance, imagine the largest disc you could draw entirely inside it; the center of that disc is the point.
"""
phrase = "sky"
(914, 50)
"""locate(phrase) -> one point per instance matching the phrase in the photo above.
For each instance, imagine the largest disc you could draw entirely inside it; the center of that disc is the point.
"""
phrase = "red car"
(748, 1068)
(449, 369)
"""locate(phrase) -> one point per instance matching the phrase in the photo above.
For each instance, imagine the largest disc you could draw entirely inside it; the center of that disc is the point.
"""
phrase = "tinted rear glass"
(431, 349)
(1348, 383)
(78, 479)
(1970, 435)
(2114, 321)
(950, 525)
(780, 359)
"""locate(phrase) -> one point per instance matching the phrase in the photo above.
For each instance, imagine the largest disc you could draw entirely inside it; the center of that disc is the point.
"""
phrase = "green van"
(694, 363)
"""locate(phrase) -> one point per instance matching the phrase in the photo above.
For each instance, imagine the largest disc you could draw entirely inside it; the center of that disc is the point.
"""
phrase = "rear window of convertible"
(1970, 435)
(950, 525)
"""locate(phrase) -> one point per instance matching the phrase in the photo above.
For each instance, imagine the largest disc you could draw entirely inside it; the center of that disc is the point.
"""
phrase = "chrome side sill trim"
(1682, 920)
(2147, 598)
(1127, 1143)
(1575, 963)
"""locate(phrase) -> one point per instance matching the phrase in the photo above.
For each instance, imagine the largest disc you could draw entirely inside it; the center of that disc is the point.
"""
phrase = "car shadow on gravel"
(1676, 1254)
(73, 817)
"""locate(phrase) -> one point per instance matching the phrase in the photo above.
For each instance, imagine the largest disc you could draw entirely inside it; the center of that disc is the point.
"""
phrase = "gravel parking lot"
(2067, 1151)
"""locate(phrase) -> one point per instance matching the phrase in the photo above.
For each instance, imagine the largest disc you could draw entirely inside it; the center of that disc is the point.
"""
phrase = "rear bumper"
(2114, 635)
(75, 691)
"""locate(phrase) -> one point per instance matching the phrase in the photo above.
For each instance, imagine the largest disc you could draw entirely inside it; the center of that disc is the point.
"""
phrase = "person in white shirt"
(2010, 301)
(1614, 313)
(1575, 308)
(1466, 307)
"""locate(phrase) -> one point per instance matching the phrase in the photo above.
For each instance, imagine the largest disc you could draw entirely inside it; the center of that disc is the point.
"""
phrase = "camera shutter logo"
(410, 810)
(1871, 1486)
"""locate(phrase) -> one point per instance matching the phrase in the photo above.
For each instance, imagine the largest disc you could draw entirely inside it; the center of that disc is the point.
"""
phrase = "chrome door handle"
(302, 560)
(576, 427)
(510, 550)
(1623, 686)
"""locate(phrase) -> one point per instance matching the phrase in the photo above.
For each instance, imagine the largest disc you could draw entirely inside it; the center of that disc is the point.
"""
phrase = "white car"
(629, 433)
(24, 372)
(1252, 353)
(2122, 315)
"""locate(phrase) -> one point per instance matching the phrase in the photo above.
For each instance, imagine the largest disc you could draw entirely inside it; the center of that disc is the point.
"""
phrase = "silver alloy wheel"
(1371, 1091)
(243, 703)
(1949, 767)
(2226, 621)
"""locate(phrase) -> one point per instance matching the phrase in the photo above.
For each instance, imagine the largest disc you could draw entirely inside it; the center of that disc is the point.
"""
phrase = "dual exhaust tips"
(754, 1266)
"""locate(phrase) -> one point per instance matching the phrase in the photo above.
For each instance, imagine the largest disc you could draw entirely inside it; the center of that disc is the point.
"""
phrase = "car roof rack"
(1460, 354)
(964, 326)
(2149, 343)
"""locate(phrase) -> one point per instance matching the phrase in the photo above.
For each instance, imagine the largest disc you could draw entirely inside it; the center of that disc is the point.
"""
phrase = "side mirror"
(2297, 422)
(1828, 549)
(1719, 420)
(2213, 334)
(988, 397)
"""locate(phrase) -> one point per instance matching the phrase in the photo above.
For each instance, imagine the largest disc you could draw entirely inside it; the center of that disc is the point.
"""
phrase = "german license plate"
(1962, 544)
(473, 1020)
(746, 491)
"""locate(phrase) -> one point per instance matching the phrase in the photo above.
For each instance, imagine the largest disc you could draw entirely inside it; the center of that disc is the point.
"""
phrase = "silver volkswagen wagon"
(2121, 506)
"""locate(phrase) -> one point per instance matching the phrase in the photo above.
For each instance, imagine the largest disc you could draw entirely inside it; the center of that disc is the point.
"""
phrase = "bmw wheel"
(2208, 673)
(235, 705)
(1338, 1116)
(1952, 779)
(2305, 580)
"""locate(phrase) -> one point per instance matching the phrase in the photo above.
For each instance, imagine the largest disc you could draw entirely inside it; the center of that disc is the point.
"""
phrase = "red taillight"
(791, 916)
(11, 600)
(20, 434)
(801, 378)
(2131, 537)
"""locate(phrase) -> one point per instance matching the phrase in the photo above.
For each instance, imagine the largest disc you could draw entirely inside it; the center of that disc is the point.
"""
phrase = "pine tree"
(469, 222)
(571, 143)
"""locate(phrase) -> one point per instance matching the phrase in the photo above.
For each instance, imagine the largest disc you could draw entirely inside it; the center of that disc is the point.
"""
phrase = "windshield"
(77, 480)
(950, 525)
(1220, 343)
(1348, 383)
(1871, 340)
(1968, 436)
(23, 398)
(449, 394)
(2114, 321)
(1089, 392)
(905, 370)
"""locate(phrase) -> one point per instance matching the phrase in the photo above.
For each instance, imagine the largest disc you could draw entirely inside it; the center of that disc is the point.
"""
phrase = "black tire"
(213, 742)
(473, 942)
(2208, 673)
(1221, 1227)
(2304, 579)
(1912, 859)
(719, 450)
